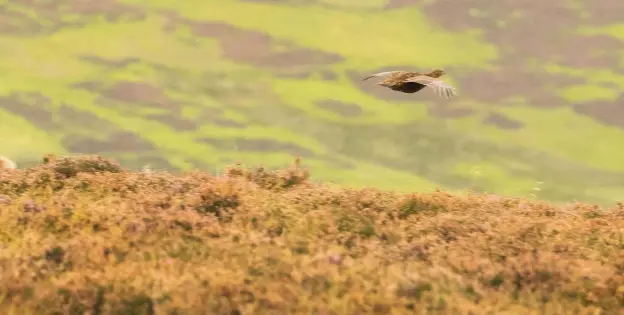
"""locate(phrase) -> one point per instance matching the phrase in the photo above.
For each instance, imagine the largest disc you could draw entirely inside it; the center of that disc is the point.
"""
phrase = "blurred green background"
(196, 84)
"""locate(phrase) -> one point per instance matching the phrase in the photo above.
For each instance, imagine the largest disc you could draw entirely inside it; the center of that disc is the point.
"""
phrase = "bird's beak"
(367, 78)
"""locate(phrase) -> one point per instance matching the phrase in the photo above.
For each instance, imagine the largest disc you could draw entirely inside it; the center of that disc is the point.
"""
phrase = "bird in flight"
(412, 82)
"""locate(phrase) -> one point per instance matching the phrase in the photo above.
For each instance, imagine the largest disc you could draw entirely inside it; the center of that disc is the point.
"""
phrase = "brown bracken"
(83, 235)
(412, 82)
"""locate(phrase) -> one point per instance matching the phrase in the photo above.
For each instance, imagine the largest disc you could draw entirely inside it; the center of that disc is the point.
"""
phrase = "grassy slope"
(380, 146)
(253, 242)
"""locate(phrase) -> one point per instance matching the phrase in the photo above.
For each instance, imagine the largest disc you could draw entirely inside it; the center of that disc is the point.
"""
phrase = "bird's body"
(412, 82)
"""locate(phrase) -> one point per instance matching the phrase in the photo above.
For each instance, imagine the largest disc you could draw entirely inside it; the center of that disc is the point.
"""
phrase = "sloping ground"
(81, 235)
(201, 84)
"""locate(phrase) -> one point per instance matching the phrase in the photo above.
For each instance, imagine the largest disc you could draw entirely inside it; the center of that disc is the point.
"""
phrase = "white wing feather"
(441, 88)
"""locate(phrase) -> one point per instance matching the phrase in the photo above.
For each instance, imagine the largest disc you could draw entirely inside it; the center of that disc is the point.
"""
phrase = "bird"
(412, 82)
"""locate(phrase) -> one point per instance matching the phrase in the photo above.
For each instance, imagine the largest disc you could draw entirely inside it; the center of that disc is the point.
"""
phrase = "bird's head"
(436, 73)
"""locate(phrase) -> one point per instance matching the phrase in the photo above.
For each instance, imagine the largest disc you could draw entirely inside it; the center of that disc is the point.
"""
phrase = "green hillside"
(202, 84)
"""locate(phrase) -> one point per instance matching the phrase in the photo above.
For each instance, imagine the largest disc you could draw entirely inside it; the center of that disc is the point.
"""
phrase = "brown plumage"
(412, 82)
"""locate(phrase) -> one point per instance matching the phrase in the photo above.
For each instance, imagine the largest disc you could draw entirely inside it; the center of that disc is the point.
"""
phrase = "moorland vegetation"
(83, 235)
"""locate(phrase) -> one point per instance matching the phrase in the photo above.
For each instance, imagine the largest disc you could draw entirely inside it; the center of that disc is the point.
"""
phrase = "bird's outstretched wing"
(380, 74)
(441, 88)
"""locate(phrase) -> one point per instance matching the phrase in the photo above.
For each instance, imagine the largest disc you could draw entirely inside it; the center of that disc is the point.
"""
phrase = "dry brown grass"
(81, 235)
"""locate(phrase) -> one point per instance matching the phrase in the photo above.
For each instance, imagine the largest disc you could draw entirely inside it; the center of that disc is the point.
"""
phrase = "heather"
(83, 235)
